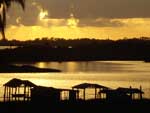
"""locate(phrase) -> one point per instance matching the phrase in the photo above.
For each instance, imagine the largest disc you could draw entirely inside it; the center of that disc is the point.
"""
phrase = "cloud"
(97, 8)
(99, 13)
(28, 17)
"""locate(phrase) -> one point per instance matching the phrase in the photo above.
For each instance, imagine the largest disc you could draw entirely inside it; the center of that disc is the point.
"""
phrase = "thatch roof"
(18, 82)
(28, 83)
(13, 83)
(122, 90)
(89, 85)
(129, 90)
(42, 90)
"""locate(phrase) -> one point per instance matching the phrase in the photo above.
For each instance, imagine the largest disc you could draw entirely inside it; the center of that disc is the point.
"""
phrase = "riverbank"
(75, 50)
(94, 106)
(9, 68)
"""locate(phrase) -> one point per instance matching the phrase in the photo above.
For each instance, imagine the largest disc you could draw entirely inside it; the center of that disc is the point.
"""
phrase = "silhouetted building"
(45, 94)
(17, 90)
(84, 86)
(122, 94)
(52, 95)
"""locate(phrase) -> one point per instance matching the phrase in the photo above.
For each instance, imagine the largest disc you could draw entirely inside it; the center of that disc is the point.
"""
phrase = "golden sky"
(101, 19)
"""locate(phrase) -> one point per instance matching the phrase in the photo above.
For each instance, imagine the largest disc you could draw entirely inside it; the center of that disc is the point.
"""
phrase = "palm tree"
(4, 6)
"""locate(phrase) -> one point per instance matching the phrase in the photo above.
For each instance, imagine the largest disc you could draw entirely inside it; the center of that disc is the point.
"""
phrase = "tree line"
(78, 50)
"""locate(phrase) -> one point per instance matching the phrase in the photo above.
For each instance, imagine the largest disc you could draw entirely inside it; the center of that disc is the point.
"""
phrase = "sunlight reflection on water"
(112, 74)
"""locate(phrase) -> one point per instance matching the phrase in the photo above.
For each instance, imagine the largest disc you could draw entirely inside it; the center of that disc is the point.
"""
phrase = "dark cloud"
(87, 10)
(28, 17)
(113, 8)
(98, 8)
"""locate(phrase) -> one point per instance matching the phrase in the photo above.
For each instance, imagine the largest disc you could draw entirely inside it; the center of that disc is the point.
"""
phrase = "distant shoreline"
(76, 50)
(9, 68)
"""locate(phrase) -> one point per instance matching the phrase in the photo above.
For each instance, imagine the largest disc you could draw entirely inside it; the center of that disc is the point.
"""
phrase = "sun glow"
(72, 27)
(72, 21)
(43, 14)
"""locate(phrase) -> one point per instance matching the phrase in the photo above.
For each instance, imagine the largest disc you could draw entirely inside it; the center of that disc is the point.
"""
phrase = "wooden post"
(61, 95)
(130, 92)
(84, 94)
(4, 93)
(12, 93)
(9, 93)
(100, 95)
(28, 89)
(15, 93)
(30, 92)
(18, 93)
(141, 92)
(24, 92)
(78, 93)
(95, 92)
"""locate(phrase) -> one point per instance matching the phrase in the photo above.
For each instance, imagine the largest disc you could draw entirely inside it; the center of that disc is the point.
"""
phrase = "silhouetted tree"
(4, 6)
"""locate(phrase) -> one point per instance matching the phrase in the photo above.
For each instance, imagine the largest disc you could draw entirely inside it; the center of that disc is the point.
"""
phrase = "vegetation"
(76, 50)
(4, 5)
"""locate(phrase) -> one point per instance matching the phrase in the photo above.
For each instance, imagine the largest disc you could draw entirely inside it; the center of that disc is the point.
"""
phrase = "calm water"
(112, 74)
(7, 47)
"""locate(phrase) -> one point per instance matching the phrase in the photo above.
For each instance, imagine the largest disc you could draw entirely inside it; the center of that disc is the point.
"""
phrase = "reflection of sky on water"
(7, 47)
(97, 66)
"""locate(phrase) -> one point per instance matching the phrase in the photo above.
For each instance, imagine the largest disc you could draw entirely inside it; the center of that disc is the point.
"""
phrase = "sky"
(70, 19)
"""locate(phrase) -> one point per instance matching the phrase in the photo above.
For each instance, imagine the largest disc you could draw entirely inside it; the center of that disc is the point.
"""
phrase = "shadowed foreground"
(80, 106)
